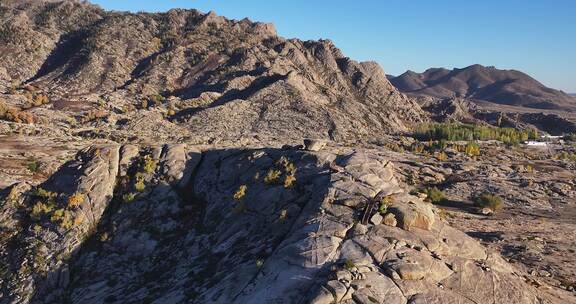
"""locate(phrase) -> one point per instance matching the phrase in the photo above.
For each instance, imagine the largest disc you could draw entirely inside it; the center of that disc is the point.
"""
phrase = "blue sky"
(535, 36)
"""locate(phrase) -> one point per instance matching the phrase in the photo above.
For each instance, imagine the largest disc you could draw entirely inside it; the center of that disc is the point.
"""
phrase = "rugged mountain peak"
(239, 75)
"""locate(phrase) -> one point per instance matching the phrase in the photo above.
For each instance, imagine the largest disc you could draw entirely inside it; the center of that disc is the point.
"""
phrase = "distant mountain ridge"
(507, 87)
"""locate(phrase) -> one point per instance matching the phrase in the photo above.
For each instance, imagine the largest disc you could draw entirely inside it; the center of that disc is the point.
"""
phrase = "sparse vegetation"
(42, 193)
(283, 166)
(564, 155)
(75, 200)
(289, 181)
(40, 99)
(438, 147)
(349, 264)
(384, 203)
(259, 263)
(103, 237)
(156, 99)
(272, 176)
(472, 149)
(434, 195)
(441, 156)
(523, 168)
(128, 197)
(15, 114)
(46, 209)
(488, 200)
(41, 209)
(444, 214)
(240, 193)
(139, 185)
(33, 165)
(149, 164)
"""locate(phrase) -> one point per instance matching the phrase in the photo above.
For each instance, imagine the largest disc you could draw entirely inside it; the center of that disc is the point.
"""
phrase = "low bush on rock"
(487, 200)
(349, 264)
(75, 200)
(384, 203)
(434, 195)
(272, 176)
(240, 193)
(128, 197)
(149, 164)
(47, 209)
(33, 165)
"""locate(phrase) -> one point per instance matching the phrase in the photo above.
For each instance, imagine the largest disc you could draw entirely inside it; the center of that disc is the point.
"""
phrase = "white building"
(536, 143)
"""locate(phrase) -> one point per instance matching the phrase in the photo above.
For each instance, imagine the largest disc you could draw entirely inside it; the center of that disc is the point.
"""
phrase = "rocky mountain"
(182, 157)
(174, 224)
(476, 82)
(237, 75)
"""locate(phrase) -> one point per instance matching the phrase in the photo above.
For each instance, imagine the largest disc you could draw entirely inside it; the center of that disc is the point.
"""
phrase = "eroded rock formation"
(179, 224)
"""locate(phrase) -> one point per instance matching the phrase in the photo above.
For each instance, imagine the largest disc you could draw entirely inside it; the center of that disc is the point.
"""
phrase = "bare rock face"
(58, 216)
(247, 226)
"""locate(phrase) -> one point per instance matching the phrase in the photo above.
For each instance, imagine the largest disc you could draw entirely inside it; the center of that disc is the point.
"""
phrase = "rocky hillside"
(180, 224)
(182, 157)
(205, 74)
(476, 82)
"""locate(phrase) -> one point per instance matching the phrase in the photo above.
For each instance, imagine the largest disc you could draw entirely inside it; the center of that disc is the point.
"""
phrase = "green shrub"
(348, 264)
(128, 197)
(40, 192)
(139, 183)
(149, 164)
(434, 195)
(487, 200)
(33, 165)
(39, 209)
(157, 99)
(384, 203)
(472, 149)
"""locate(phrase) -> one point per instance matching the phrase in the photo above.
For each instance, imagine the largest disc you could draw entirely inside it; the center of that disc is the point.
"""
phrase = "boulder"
(376, 219)
(390, 220)
(314, 145)
(411, 212)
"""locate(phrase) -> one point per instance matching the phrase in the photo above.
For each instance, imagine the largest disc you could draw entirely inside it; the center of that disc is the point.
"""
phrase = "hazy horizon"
(529, 37)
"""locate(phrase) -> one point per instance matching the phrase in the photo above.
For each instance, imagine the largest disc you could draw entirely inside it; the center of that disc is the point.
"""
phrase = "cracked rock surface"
(239, 225)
